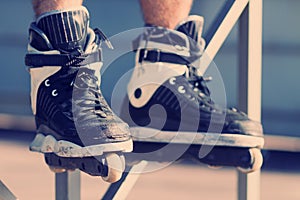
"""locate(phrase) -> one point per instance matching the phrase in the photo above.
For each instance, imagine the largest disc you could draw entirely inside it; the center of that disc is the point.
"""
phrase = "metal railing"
(5, 193)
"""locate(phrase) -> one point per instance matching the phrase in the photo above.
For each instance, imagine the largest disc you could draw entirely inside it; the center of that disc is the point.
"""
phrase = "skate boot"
(167, 96)
(74, 122)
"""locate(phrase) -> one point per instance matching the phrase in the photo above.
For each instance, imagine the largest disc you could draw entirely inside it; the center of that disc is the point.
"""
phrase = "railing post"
(250, 71)
(67, 185)
(5, 193)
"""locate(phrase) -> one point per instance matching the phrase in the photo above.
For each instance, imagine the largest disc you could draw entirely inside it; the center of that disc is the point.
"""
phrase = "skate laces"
(78, 55)
(81, 94)
(199, 86)
(198, 83)
(90, 99)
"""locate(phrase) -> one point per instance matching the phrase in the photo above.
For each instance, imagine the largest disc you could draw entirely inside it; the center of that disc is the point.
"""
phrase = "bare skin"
(42, 6)
(165, 13)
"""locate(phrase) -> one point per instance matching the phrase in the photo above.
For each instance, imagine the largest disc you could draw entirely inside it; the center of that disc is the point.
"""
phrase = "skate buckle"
(145, 54)
(158, 55)
(152, 55)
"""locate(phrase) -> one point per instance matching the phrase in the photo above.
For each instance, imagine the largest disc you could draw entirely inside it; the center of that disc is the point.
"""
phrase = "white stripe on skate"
(48, 144)
(143, 134)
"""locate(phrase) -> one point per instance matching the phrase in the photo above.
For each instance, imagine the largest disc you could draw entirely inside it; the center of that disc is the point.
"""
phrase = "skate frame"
(249, 15)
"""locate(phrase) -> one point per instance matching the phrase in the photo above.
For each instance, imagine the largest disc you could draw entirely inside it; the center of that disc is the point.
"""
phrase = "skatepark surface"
(29, 178)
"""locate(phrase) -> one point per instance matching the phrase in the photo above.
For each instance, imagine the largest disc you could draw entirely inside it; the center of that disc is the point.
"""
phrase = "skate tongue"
(192, 27)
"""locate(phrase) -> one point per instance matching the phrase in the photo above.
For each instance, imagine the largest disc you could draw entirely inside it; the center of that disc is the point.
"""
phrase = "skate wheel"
(257, 161)
(115, 165)
(57, 169)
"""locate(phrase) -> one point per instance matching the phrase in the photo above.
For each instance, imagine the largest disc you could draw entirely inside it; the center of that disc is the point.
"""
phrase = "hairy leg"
(42, 6)
(165, 13)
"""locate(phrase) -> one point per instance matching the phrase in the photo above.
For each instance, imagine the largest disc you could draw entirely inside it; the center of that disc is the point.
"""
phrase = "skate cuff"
(66, 29)
(75, 59)
(156, 55)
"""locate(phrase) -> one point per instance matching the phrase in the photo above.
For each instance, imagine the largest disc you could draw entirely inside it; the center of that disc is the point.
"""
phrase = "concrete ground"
(26, 174)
